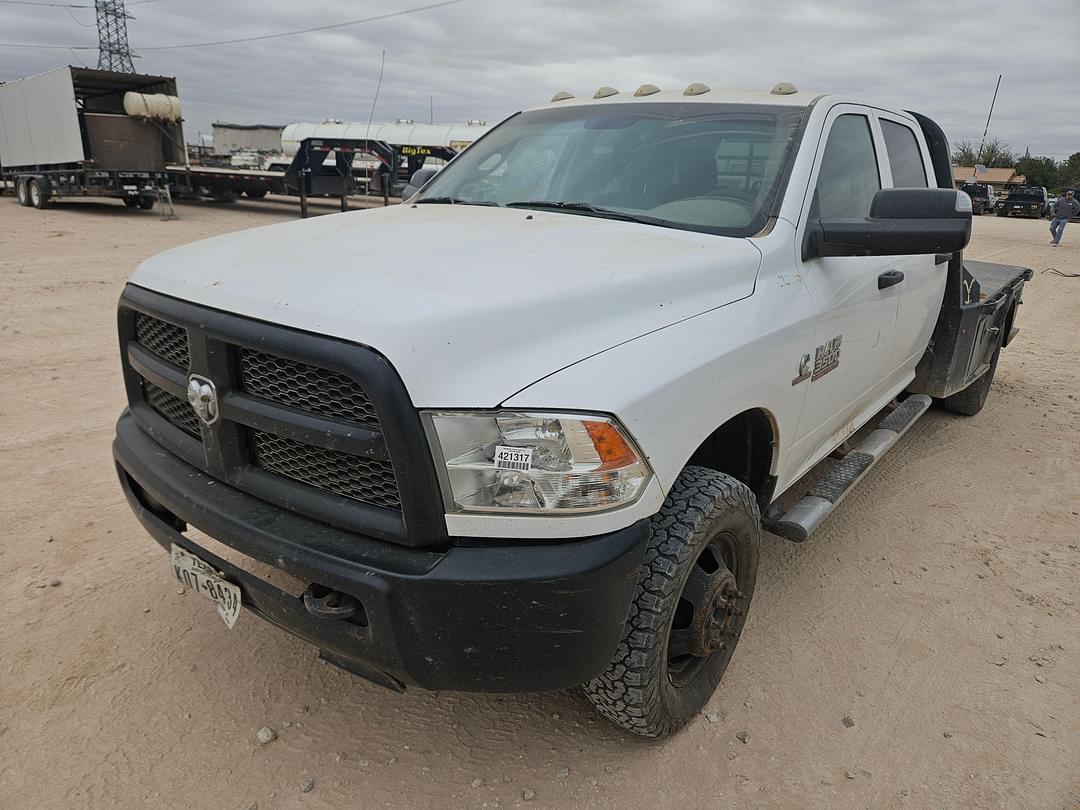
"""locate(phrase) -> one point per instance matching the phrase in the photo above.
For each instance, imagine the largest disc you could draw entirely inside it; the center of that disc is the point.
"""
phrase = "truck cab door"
(908, 165)
(851, 361)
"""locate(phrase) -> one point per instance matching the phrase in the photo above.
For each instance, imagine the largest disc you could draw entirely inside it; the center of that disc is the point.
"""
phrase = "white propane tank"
(152, 105)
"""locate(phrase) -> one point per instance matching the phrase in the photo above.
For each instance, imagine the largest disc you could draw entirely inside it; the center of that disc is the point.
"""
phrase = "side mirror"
(902, 222)
(418, 180)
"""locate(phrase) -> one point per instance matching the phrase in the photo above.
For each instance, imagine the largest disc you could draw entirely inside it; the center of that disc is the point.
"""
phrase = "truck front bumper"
(498, 616)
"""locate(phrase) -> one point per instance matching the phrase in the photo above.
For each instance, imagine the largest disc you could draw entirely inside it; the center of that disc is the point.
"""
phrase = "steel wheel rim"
(703, 626)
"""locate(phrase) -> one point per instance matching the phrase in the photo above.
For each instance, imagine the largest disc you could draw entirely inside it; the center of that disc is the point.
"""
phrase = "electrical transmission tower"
(113, 50)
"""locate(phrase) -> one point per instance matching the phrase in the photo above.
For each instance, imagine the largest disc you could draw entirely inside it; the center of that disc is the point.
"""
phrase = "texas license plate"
(200, 577)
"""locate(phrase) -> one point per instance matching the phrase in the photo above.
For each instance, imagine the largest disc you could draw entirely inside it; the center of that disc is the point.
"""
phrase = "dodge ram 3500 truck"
(525, 431)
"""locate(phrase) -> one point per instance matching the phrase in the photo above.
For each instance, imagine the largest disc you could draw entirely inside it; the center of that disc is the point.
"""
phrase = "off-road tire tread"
(627, 693)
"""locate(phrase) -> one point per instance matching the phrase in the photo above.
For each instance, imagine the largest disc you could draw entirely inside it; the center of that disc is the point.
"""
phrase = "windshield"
(1035, 194)
(716, 168)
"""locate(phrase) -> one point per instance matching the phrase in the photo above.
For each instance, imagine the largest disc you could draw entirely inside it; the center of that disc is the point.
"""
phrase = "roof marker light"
(646, 90)
(562, 95)
(696, 89)
(784, 89)
(605, 91)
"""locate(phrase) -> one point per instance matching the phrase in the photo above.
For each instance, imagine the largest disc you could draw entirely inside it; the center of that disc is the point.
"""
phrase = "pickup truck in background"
(535, 444)
(1024, 201)
(983, 198)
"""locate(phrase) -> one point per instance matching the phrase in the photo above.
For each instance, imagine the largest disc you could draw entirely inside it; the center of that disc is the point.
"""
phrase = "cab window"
(905, 159)
(848, 178)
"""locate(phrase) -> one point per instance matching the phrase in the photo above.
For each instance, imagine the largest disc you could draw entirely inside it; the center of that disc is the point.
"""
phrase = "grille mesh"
(164, 339)
(175, 410)
(309, 388)
(363, 479)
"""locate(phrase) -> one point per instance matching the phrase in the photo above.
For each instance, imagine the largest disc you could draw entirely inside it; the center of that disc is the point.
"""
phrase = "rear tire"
(131, 202)
(256, 193)
(971, 400)
(39, 194)
(145, 203)
(689, 608)
(22, 193)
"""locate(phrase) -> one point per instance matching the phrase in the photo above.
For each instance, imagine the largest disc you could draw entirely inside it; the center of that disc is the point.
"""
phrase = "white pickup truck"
(525, 431)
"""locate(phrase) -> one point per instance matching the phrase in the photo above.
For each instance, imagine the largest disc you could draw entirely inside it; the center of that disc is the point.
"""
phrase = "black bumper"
(494, 617)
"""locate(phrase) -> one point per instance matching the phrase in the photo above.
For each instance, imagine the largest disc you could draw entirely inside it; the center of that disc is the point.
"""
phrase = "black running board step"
(804, 518)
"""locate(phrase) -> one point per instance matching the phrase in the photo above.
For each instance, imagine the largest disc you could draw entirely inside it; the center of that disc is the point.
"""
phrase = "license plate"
(200, 577)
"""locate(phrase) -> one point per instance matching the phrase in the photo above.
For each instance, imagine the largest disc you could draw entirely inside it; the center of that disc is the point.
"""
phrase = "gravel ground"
(921, 651)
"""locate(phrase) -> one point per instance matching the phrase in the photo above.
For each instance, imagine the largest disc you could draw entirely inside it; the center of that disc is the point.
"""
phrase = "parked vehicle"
(983, 198)
(535, 444)
(81, 132)
(1024, 201)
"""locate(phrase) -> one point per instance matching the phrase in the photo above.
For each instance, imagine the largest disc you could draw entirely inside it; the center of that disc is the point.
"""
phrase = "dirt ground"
(937, 608)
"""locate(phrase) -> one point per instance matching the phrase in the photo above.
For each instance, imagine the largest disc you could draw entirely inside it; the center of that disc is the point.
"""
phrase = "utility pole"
(986, 129)
(113, 50)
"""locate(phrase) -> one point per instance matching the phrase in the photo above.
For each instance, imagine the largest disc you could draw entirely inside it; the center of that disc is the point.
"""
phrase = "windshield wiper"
(589, 208)
(453, 201)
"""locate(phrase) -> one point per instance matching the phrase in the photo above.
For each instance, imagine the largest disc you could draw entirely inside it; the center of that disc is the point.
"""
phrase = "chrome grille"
(177, 411)
(166, 340)
(308, 388)
(363, 479)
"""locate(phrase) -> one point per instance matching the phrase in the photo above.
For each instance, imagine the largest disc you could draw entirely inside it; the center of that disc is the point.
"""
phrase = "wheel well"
(743, 448)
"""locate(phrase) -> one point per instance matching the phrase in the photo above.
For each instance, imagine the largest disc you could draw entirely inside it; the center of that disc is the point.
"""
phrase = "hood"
(470, 304)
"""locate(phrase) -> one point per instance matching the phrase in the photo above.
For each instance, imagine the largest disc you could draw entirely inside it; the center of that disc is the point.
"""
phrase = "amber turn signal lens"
(612, 447)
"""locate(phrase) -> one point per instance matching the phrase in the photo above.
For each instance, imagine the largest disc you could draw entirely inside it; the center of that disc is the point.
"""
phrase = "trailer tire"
(145, 203)
(692, 595)
(971, 400)
(39, 193)
(256, 193)
(22, 193)
(130, 202)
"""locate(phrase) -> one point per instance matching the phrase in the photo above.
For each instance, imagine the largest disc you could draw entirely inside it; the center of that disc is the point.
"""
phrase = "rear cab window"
(904, 154)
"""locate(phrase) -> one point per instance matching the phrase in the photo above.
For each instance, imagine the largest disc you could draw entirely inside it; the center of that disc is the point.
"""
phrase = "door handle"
(889, 278)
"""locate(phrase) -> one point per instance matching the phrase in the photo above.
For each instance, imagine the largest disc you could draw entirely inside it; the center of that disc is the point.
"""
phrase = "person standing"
(1064, 208)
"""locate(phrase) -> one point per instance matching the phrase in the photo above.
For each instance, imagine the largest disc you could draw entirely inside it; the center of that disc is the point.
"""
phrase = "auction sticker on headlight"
(204, 580)
(513, 458)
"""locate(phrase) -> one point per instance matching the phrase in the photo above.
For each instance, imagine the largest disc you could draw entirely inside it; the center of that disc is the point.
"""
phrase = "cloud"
(488, 58)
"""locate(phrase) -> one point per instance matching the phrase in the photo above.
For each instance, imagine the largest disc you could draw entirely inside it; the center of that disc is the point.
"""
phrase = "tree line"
(1039, 171)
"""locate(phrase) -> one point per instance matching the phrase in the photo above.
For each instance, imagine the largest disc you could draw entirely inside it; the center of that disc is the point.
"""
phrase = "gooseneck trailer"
(82, 132)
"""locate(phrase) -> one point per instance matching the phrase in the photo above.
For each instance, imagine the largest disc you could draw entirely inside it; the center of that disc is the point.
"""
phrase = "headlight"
(535, 463)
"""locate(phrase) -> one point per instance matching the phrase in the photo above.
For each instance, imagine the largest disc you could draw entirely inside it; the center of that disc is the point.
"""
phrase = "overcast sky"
(488, 58)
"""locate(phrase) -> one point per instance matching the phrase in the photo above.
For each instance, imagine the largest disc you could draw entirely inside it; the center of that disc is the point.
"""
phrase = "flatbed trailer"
(311, 172)
(67, 133)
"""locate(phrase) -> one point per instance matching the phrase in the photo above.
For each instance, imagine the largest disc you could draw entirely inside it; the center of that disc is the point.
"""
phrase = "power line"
(63, 5)
(44, 5)
(375, 18)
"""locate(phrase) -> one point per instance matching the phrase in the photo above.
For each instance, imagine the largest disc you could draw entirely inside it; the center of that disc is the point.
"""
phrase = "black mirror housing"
(902, 222)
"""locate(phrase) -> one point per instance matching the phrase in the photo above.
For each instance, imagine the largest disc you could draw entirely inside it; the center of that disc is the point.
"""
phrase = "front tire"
(689, 608)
